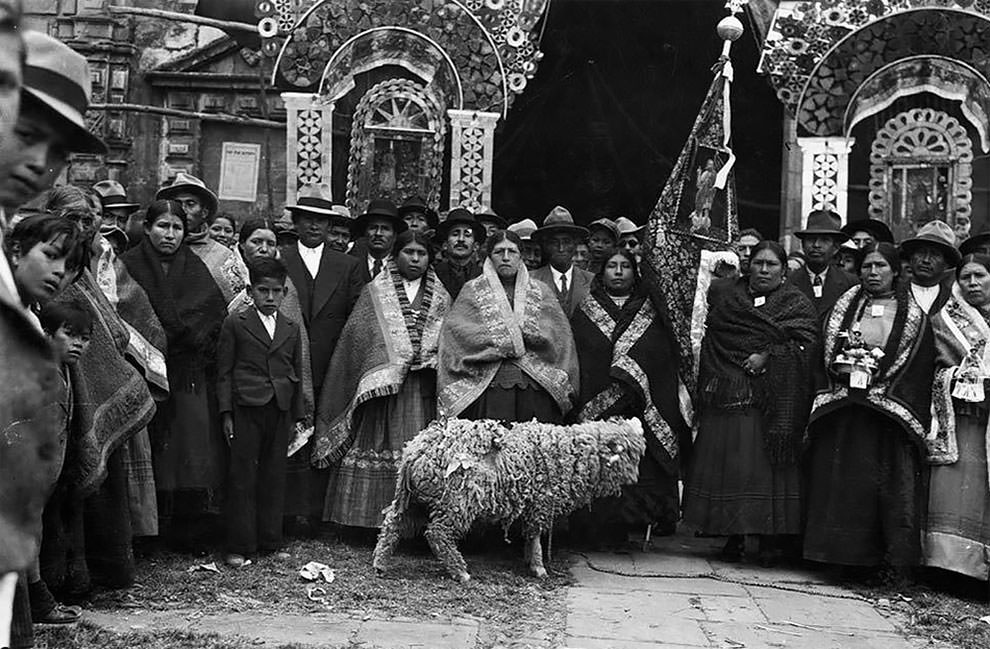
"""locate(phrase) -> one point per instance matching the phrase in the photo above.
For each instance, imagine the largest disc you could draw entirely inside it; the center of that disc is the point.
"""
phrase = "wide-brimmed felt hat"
(461, 216)
(877, 229)
(59, 77)
(560, 220)
(626, 226)
(823, 223)
(418, 204)
(187, 184)
(524, 229)
(315, 201)
(487, 214)
(937, 234)
(112, 195)
(606, 224)
(379, 208)
(969, 246)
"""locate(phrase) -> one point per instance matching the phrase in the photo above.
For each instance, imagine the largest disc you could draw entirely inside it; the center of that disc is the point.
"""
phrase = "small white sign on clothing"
(239, 171)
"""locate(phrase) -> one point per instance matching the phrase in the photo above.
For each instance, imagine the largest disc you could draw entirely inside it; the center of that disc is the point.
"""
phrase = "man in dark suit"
(460, 234)
(931, 253)
(821, 280)
(559, 237)
(376, 229)
(259, 363)
(329, 283)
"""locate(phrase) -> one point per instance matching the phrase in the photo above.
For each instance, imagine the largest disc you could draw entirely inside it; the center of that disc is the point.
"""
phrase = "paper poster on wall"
(239, 171)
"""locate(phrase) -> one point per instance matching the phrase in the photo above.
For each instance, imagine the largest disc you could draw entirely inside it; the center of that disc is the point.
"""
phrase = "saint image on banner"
(703, 209)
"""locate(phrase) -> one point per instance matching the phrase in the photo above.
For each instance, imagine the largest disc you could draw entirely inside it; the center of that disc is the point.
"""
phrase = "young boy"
(46, 254)
(259, 369)
(69, 327)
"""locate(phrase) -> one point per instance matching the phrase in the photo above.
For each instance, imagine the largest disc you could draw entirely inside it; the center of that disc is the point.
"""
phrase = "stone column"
(824, 174)
(308, 143)
(471, 153)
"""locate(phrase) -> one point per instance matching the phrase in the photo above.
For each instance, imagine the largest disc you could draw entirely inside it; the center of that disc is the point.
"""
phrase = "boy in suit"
(260, 360)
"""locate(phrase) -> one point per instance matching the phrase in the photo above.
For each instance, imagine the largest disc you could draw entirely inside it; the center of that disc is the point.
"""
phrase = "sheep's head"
(621, 445)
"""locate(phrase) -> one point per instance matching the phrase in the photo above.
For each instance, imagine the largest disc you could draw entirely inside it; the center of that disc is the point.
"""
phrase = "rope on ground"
(714, 576)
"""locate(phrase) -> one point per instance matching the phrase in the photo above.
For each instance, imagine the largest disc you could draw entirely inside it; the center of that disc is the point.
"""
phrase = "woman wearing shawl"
(188, 448)
(629, 368)
(957, 537)
(754, 396)
(506, 348)
(257, 240)
(867, 432)
(385, 372)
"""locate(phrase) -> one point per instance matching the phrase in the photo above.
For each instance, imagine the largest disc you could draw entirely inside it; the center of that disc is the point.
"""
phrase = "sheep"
(466, 471)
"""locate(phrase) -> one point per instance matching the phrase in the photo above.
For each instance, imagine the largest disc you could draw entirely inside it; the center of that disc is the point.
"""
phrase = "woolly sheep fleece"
(466, 471)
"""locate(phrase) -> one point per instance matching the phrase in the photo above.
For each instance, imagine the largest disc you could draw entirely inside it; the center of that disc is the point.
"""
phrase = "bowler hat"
(559, 220)
(187, 184)
(822, 223)
(379, 208)
(59, 77)
(461, 216)
(524, 229)
(937, 234)
(418, 204)
(113, 196)
(877, 229)
(488, 215)
(969, 246)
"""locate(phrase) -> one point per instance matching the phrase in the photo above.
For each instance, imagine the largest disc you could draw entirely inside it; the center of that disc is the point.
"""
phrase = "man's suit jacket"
(579, 289)
(837, 282)
(326, 302)
(252, 368)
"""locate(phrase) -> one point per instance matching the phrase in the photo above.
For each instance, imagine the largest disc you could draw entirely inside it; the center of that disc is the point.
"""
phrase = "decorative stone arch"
(927, 143)
(397, 145)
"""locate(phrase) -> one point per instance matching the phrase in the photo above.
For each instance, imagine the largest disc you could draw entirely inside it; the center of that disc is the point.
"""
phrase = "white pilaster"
(308, 143)
(824, 175)
(472, 152)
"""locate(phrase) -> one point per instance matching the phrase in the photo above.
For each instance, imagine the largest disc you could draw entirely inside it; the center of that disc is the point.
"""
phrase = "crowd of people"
(200, 382)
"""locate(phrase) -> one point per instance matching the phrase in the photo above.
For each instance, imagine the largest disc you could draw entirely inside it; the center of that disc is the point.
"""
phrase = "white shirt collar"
(569, 274)
(372, 260)
(312, 252)
(812, 274)
(925, 296)
(412, 287)
(269, 322)
(311, 258)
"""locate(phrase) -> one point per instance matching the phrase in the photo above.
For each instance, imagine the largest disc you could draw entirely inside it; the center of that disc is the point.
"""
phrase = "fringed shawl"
(959, 328)
(384, 340)
(785, 326)
(902, 388)
(187, 301)
(483, 331)
(113, 401)
(220, 261)
(630, 350)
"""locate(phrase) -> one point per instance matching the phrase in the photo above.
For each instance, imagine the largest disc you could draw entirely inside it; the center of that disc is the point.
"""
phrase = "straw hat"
(524, 229)
(626, 226)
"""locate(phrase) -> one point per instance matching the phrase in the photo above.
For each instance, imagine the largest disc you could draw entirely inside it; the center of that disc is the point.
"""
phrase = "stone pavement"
(655, 600)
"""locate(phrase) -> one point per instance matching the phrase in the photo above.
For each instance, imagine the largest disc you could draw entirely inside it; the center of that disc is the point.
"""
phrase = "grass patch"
(510, 604)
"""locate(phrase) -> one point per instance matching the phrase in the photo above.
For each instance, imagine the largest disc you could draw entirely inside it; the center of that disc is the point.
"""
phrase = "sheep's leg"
(534, 555)
(442, 534)
(388, 538)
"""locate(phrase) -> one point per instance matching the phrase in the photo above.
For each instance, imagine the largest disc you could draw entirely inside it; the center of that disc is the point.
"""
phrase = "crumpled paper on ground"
(314, 570)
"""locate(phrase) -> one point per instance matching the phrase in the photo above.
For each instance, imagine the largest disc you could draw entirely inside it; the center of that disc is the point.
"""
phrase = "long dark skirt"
(363, 484)
(513, 396)
(865, 491)
(957, 537)
(109, 554)
(732, 488)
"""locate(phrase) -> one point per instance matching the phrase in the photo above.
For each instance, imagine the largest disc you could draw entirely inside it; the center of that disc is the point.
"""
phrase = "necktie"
(563, 285)
(377, 269)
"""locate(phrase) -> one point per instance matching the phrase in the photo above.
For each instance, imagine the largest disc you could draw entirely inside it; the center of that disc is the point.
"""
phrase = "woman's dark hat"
(379, 208)
(877, 229)
(487, 215)
(113, 196)
(969, 246)
(937, 234)
(461, 216)
(59, 77)
(823, 223)
(418, 204)
(187, 184)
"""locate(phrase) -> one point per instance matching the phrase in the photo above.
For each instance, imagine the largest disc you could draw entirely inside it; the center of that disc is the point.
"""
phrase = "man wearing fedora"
(117, 210)
(531, 252)
(339, 234)
(377, 229)
(460, 234)
(559, 236)
(329, 283)
(418, 215)
(930, 254)
(820, 279)
(630, 236)
(491, 221)
(867, 231)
